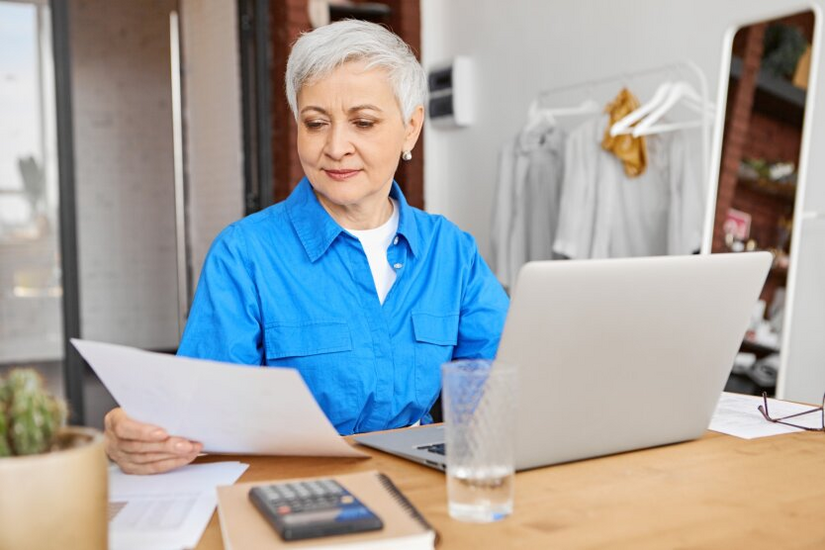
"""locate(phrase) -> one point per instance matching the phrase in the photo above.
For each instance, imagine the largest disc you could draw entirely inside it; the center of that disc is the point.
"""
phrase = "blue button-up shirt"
(289, 287)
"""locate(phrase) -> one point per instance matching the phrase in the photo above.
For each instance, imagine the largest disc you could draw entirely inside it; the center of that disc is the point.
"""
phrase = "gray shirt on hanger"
(527, 196)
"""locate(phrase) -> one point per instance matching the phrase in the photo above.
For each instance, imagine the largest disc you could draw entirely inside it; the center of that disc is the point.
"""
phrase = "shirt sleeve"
(483, 309)
(225, 320)
(502, 218)
(687, 209)
(577, 209)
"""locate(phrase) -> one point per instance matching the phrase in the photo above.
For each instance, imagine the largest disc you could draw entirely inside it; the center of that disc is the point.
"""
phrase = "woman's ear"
(413, 128)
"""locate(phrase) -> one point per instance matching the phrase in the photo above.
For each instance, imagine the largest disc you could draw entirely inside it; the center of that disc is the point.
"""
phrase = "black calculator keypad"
(307, 509)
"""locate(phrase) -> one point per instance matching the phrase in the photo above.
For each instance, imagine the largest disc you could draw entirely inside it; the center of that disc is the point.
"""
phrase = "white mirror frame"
(802, 169)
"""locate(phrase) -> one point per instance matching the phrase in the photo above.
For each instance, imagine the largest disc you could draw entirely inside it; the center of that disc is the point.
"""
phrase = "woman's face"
(350, 138)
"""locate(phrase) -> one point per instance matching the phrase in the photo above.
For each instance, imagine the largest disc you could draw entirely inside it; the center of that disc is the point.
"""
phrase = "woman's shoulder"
(440, 230)
(264, 224)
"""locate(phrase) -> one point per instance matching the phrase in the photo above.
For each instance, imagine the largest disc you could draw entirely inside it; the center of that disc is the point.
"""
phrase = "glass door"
(31, 317)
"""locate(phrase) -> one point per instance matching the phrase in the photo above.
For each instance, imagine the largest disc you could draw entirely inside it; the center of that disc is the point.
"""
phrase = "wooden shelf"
(758, 349)
(784, 191)
(775, 97)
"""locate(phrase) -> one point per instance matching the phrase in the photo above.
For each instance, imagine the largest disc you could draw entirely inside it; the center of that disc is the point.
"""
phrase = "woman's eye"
(314, 124)
(364, 123)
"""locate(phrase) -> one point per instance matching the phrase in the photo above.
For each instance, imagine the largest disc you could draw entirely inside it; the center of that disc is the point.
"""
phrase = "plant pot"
(57, 499)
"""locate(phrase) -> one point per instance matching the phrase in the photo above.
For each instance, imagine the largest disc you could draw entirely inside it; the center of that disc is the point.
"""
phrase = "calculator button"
(332, 488)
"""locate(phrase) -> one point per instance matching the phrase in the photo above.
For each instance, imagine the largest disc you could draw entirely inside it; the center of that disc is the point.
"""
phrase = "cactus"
(29, 416)
(5, 449)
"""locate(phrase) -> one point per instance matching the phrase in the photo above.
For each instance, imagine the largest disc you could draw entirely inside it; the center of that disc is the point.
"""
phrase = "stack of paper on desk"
(229, 408)
(165, 511)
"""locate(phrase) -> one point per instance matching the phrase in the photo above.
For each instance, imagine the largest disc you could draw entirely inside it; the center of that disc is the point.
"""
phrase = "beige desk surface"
(716, 492)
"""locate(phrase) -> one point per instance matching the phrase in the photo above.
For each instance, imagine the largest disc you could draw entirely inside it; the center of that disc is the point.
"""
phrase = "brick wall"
(772, 139)
(288, 19)
(752, 134)
(737, 125)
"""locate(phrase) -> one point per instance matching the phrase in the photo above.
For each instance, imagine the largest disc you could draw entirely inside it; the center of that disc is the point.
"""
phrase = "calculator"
(309, 509)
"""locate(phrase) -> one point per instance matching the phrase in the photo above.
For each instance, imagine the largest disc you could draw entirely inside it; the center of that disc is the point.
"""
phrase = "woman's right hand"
(140, 448)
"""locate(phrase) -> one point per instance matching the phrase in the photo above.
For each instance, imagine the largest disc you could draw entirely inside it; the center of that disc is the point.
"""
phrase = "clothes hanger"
(586, 107)
(623, 126)
(537, 116)
(679, 92)
(669, 127)
(662, 94)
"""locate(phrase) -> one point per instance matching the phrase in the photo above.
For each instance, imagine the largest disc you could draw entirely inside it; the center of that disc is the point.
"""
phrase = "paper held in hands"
(229, 408)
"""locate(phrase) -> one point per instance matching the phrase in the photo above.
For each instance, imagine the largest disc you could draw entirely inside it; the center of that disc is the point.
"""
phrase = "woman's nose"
(338, 143)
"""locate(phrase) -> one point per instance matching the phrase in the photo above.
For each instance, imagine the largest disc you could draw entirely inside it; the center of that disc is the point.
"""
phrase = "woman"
(363, 294)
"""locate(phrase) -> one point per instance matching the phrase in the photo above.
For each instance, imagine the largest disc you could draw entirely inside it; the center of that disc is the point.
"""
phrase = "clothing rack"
(623, 77)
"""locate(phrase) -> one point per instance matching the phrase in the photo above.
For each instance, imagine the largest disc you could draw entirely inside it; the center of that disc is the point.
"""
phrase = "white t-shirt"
(375, 243)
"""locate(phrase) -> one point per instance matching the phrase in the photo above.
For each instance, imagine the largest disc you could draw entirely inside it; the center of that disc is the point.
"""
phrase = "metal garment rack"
(623, 77)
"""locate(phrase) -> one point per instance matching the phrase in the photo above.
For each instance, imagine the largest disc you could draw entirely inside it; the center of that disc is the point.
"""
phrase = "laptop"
(613, 355)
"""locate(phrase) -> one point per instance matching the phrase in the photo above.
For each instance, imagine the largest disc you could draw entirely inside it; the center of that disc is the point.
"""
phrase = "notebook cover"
(244, 528)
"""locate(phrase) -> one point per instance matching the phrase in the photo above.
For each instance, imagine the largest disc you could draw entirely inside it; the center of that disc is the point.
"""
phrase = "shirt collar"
(317, 229)
(407, 227)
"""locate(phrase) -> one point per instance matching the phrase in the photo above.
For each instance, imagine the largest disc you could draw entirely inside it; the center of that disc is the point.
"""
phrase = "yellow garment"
(803, 67)
(632, 151)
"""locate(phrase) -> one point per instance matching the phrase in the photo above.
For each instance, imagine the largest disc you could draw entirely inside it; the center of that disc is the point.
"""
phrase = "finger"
(125, 427)
(147, 458)
(172, 446)
(134, 462)
(111, 448)
(157, 467)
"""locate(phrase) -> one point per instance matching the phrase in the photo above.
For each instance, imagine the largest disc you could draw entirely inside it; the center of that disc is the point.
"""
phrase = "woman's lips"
(341, 175)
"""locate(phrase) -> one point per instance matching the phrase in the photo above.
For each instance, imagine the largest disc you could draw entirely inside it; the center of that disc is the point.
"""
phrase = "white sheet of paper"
(165, 511)
(229, 408)
(739, 416)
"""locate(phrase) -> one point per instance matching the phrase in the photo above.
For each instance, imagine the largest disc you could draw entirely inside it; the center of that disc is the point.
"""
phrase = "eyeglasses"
(782, 420)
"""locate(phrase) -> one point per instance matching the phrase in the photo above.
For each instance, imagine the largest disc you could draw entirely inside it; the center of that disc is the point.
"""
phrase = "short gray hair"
(319, 52)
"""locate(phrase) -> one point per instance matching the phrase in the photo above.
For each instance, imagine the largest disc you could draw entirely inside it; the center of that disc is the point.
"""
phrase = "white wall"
(214, 149)
(520, 47)
(523, 46)
(121, 80)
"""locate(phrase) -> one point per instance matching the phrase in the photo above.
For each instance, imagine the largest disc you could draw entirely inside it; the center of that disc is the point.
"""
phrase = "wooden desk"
(716, 492)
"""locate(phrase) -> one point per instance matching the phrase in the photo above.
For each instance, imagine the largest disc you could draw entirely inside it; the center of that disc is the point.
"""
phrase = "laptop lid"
(623, 354)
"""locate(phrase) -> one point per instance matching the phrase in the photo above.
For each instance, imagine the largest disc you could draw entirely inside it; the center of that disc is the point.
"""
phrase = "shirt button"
(398, 266)
(395, 240)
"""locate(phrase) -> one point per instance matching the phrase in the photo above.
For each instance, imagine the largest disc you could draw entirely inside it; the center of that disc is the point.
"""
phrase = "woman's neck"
(359, 216)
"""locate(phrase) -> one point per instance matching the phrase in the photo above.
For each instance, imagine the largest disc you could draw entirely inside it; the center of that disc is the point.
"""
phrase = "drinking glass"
(479, 400)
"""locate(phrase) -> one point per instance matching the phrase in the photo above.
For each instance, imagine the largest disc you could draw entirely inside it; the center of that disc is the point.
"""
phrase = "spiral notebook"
(244, 528)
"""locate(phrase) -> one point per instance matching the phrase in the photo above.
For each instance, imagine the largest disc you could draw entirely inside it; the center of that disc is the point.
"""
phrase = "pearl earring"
(406, 155)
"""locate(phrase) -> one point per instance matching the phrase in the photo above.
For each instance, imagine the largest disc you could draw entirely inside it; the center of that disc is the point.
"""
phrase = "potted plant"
(53, 478)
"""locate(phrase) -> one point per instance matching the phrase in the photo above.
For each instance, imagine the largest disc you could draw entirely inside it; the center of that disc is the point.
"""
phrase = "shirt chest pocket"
(297, 339)
(320, 349)
(436, 335)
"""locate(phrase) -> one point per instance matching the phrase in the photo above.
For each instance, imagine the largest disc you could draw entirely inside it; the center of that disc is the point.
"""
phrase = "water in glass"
(481, 494)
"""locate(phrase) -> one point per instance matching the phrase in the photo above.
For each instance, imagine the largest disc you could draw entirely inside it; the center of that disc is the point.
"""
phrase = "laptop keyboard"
(437, 448)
